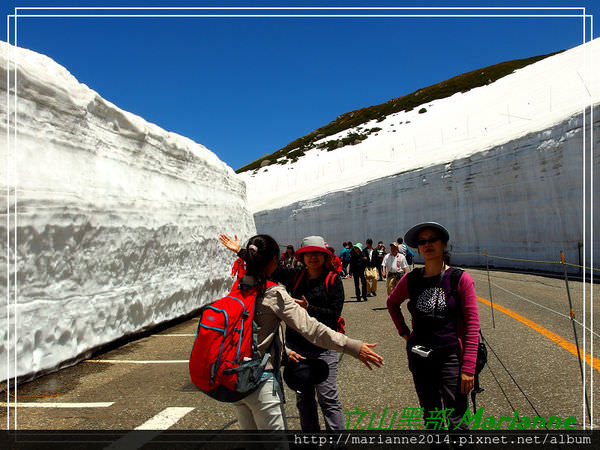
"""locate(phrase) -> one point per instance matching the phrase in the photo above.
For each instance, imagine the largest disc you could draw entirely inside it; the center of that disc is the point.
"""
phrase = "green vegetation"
(460, 83)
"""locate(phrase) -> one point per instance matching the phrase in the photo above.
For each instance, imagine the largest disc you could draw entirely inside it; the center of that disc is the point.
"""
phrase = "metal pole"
(579, 247)
(487, 266)
(572, 315)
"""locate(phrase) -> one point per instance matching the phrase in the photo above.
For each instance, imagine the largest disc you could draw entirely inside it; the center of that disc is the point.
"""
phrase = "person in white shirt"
(394, 266)
(372, 262)
(401, 246)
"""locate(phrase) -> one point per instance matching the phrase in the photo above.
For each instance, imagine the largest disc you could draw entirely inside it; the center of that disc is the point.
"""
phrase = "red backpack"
(341, 323)
(225, 363)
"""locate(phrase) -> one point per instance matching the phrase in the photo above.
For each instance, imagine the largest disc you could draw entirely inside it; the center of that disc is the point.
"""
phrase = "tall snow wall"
(523, 199)
(113, 222)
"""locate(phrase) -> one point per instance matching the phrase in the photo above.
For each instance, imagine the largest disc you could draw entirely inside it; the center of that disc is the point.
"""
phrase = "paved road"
(132, 394)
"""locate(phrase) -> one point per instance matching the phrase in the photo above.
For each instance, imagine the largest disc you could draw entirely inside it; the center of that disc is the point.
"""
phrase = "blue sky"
(244, 87)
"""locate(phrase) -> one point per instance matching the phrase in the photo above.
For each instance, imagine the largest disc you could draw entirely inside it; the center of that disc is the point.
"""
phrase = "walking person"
(263, 408)
(401, 245)
(345, 258)
(372, 262)
(380, 255)
(394, 265)
(358, 262)
(442, 347)
(408, 254)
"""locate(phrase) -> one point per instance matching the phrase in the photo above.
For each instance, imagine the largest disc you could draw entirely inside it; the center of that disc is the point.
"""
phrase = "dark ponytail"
(259, 252)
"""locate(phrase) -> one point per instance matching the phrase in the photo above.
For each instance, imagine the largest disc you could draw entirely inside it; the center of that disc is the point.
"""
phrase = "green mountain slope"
(460, 83)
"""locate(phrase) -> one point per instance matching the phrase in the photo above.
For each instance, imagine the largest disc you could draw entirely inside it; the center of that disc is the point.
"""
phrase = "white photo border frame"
(11, 160)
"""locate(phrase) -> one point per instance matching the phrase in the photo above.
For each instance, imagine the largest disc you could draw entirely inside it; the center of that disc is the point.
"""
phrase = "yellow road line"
(590, 360)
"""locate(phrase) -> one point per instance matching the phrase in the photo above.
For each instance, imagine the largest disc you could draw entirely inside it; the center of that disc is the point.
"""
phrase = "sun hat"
(395, 244)
(358, 245)
(313, 244)
(412, 236)
(303, 375)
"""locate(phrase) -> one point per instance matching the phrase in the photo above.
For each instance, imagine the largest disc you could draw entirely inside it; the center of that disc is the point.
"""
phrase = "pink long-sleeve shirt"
(468, 328)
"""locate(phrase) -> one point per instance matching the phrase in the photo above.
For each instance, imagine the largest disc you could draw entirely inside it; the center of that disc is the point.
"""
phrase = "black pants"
(438, 386)
(363, 281)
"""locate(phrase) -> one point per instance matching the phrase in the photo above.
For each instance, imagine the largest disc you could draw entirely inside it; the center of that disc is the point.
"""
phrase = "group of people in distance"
(441, 346)
(369, 265)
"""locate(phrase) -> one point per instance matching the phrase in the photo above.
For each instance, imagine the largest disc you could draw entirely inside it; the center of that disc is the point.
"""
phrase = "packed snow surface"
(533, 98)
(116, 223)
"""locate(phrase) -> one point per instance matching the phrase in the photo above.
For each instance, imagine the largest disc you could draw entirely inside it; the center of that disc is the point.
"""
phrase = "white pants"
(262, 410)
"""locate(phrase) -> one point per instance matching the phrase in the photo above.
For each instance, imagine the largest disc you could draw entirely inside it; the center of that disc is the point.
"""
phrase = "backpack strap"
(341, 323)
(411, 275)
(277, 353)
(455, 275)
(329, 279)
(297, 278)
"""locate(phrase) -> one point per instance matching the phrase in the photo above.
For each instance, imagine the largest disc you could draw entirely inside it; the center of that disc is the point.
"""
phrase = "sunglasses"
(430, 240)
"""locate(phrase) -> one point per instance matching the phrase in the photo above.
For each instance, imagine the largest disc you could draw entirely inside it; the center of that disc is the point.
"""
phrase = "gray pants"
(437, 382)
(327, 396)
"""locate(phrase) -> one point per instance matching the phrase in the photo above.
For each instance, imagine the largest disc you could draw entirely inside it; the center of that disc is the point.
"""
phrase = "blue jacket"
(345, 255)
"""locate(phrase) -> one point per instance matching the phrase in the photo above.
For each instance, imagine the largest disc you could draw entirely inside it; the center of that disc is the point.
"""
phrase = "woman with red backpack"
(320, 287)
(262, 408)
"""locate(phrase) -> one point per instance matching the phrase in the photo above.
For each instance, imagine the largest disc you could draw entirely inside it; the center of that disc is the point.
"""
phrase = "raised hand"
(232, 244)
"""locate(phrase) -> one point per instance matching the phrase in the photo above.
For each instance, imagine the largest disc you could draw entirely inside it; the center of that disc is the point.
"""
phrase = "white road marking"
(59, 405)
(126, 361)
(165, 419)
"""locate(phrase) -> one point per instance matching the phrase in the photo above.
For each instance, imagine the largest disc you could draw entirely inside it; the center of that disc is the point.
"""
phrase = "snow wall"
(523, 199)
(116, 225)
